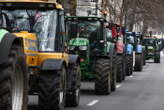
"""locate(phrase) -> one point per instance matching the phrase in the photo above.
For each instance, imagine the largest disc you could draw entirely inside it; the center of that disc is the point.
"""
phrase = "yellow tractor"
(34, 58)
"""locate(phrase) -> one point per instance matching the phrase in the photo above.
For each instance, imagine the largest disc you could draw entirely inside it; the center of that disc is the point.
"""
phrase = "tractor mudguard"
(73, 59)
(6, 42)
(129, 49)
(139, 49)
(52, 64)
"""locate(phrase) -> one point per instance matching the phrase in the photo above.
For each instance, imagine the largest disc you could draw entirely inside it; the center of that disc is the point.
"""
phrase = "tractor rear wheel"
(52, 89)
(131, 62)
(119, 69)
(73, 95)
(138, 62)
(114, 77)
(144, 59)
(157, 57)
(103, 71)
(13, 81)
(129, 65)
(124, 68)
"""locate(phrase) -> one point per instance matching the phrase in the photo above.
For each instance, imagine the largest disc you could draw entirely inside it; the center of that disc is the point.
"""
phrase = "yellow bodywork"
(43, 56)
(30, 47)
(58, 6)
(34, 58)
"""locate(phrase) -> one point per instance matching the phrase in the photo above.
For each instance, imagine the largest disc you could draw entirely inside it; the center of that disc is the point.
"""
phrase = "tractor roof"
(150, 38)
(44, 4)
(84, 18)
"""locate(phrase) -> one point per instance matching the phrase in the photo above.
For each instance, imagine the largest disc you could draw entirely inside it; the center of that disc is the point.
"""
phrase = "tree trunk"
(73, 4)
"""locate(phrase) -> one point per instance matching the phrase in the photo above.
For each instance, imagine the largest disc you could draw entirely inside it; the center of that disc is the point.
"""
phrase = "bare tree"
(70, 6)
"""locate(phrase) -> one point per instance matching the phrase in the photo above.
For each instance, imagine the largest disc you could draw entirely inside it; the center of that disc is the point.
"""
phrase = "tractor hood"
(79, 42)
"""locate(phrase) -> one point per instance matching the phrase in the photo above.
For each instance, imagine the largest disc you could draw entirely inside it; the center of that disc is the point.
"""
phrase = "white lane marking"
(92, 102)
(33, 100)
(118, 85)
(131, 76)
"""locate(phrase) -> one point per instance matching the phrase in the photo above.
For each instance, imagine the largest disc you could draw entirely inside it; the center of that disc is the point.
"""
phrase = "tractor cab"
(84, 33)
(149, 41)
(152, 46)
(118, 37)
(130, 38)
(85, 36)
(45, 19)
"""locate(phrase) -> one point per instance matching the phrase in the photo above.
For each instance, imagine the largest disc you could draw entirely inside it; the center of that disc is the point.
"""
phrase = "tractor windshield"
(84, 29)
(130, 38)
(149, 41)
(42, 23)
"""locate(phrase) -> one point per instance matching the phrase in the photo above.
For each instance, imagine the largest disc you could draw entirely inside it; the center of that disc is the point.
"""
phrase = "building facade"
(88, 7)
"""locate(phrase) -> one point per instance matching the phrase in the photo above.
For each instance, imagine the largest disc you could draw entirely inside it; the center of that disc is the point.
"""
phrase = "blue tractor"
(129, 53)
(139, 52)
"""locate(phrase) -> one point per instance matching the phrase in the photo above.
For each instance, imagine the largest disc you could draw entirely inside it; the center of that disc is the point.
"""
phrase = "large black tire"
(73, 94)
(157, 57)
(114, 77)
(119, 69)
(144, 59)
(13, 81)
(132, 68)
(124, 68)
(138, 62)
(103, 71)
(52, 89)
(129, 65)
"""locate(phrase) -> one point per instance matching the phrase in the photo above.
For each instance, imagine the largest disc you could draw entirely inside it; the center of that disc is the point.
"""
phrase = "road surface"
(141, 91)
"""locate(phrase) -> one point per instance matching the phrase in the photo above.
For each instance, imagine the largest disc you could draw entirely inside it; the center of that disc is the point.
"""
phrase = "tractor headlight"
(150, 48)
(82, 47)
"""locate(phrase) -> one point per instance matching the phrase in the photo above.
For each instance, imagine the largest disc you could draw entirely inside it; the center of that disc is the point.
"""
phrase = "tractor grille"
(150, 52)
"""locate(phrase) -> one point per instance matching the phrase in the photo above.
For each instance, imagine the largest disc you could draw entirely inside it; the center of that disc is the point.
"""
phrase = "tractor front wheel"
(144, 59)
(138, 62)
(157, 57)
(103, 71)
(129, 65)
(73, 95)
(13, 81)
(52, 89)
(114, 77)
(119, 69)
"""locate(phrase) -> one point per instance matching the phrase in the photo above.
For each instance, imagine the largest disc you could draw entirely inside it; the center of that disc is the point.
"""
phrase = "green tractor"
(89, 38)
(153, 49)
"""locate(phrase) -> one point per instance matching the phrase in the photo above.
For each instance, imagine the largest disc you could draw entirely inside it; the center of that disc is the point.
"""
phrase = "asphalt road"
(142, 91)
